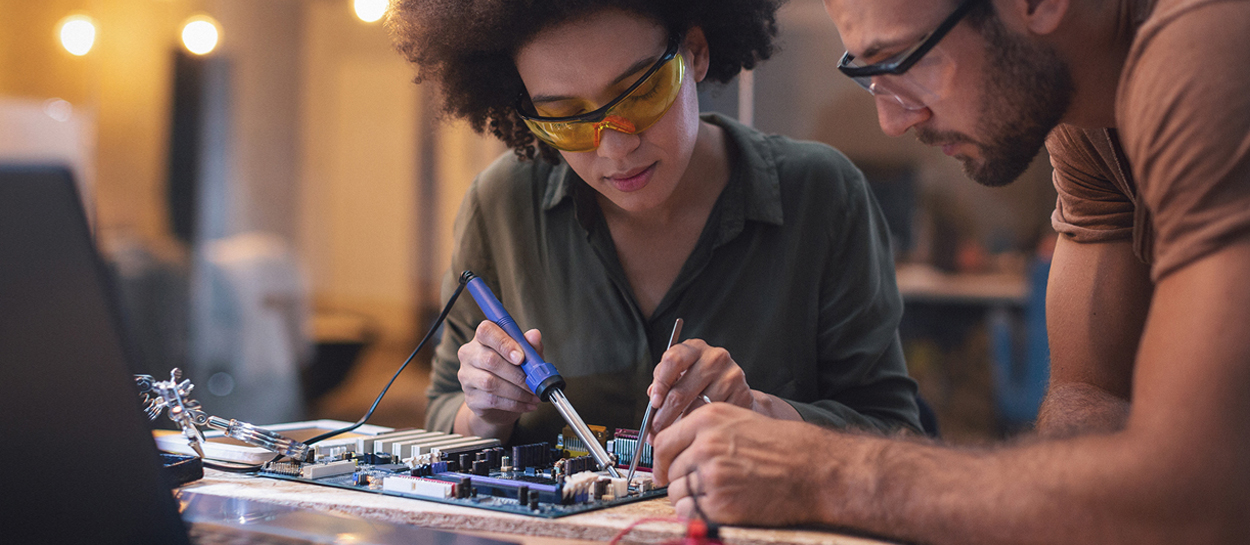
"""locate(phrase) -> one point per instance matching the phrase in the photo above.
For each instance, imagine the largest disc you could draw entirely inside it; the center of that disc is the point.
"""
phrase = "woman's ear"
(696, 46)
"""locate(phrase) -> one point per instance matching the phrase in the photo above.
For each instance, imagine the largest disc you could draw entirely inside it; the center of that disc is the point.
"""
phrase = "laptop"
(79, 464)
(79, 461)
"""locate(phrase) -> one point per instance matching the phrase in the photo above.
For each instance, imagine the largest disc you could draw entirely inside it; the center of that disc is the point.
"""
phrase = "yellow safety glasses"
(634, 111)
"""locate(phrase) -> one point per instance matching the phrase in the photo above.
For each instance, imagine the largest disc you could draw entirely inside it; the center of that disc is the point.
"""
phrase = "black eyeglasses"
(900, 63)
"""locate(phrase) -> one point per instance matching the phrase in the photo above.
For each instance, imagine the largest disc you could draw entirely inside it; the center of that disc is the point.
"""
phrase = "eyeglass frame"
(674, 46)
(899, 67)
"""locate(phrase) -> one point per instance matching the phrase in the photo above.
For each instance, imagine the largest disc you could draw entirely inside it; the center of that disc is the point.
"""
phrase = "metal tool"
(175, 395)
(646, 416)
(541, 377)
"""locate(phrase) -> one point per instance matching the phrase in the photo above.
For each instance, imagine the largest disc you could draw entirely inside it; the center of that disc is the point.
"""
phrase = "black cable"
(713, 529)
(442, 316)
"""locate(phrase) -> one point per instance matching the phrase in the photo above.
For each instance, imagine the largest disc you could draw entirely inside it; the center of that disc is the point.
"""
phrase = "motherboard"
(536, 479)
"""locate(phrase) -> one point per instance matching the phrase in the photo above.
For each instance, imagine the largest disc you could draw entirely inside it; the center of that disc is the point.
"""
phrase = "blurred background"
(276, 196)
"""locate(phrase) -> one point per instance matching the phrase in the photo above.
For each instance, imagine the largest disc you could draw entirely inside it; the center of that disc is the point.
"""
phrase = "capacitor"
(463, 487)
(522, 494)
(534, 500)
(518, 457)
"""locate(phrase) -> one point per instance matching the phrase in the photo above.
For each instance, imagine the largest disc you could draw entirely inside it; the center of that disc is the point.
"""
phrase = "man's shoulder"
(1178, 27)
(1183, 112)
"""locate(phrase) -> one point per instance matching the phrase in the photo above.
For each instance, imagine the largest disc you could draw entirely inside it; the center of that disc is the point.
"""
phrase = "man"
(1145, 433)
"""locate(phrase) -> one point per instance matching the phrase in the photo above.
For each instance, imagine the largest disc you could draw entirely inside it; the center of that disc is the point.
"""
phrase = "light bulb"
(77, 34)
(371, 10)
(200, 35)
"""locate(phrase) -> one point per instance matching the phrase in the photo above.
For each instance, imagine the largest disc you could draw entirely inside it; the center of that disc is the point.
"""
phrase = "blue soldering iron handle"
(541, 377)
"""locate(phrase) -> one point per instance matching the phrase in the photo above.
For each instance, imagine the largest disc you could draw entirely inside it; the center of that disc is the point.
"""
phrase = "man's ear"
(699, 57)
(1039, 17)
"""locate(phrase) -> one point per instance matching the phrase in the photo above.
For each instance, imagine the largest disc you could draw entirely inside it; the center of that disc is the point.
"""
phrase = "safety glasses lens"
(635, 113)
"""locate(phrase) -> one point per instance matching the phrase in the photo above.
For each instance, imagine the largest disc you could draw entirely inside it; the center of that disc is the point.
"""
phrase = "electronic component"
(318, 471)
(418, 486)
(625, 444)
(531, 455)
(395, 443)
(568, 441)
(528, 479)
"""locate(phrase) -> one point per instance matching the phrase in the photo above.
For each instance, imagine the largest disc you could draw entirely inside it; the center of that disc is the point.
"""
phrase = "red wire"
(631, 526)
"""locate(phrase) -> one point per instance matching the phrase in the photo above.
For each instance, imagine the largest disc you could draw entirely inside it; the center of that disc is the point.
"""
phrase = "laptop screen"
(80, 464)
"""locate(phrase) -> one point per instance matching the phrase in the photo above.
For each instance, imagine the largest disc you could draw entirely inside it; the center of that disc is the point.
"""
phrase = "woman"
(622, 209)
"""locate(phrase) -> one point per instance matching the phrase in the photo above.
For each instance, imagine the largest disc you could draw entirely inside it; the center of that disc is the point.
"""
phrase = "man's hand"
(747, 468)
(495, 394)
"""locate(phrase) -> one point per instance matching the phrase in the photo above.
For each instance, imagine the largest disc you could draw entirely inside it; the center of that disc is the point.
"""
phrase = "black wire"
(713, 529)
(442, 316)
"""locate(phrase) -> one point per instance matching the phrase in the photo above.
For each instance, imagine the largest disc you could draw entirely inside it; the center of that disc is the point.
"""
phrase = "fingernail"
(516, 357)
(655, 400)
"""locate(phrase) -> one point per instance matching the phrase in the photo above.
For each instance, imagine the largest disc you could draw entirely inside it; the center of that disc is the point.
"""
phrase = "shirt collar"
(755, 175)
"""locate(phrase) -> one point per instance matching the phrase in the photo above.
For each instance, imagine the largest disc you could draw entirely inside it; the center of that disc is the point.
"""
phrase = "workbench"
(592, 527)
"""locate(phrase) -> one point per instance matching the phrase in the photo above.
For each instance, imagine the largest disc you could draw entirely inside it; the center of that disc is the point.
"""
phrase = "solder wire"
(442, 316)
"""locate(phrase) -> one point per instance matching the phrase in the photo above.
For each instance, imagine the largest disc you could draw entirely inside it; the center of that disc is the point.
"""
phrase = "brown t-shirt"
(1175, 175)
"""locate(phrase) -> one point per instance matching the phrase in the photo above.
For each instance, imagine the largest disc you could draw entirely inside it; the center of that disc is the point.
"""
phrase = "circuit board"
(534, 480)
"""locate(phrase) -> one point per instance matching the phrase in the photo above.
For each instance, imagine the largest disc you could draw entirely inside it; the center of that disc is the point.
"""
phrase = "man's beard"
(1026, 90)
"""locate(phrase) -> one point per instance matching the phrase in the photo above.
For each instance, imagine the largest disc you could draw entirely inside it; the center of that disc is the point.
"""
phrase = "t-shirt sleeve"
(1089, 208)
(1185, 121)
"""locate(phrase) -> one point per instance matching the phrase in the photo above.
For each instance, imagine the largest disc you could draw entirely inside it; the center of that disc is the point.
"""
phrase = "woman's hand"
(689, 371)
(495, 394)
(693, 369)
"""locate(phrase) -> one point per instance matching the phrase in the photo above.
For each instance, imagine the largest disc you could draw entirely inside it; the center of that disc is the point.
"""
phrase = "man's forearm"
(1077, 408)
(1094, 489)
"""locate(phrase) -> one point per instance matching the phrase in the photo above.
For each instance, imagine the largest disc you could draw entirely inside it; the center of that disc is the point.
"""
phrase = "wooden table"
(920, 283)
(592, 527)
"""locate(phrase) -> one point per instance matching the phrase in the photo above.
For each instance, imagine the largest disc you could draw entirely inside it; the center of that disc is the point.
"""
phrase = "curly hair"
(467, 48)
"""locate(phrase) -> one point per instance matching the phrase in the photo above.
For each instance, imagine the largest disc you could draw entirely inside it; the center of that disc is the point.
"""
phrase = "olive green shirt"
(792, 274)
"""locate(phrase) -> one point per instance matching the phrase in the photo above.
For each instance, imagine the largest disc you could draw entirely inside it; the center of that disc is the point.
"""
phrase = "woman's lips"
(632, 180)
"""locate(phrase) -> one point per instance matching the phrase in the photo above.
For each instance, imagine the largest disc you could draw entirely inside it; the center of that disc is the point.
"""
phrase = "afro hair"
(467, 47)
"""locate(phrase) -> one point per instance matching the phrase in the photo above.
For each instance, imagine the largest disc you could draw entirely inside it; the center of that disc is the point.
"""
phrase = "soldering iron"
(541, 377)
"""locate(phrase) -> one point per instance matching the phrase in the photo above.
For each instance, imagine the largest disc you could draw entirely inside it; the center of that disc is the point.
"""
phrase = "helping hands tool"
(175, 395)
(646, 416)
(541, 377)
